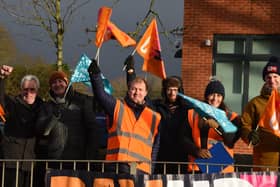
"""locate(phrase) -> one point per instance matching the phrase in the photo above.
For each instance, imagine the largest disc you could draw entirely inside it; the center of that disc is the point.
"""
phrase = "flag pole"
(97, 53)
(250, 143)
(216, 129)
(67, 89)
(133, 52)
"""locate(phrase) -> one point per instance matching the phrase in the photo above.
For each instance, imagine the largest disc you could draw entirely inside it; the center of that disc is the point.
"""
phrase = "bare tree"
(50, 15)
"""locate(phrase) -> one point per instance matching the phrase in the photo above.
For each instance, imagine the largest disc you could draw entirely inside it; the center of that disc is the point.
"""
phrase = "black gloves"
(93, 68)
(129, 64)
(254, 137)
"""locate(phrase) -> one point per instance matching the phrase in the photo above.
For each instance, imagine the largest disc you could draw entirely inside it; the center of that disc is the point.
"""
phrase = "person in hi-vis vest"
(207, 132)
(133, 134)
(173, 111)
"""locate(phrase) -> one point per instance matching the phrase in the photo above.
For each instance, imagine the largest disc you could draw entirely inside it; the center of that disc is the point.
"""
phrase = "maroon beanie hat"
(58, 75)
(273, 66)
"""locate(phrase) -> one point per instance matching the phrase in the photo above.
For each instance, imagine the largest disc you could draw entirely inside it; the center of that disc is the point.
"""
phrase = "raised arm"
(129, 68)
(106, 100)
(5, 71)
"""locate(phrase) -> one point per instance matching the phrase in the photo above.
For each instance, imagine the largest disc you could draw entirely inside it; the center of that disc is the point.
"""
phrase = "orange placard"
(104, 15)
(149, 48)
(271, 115)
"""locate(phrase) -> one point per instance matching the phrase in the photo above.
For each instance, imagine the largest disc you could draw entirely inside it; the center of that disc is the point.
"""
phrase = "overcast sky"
(125, 15)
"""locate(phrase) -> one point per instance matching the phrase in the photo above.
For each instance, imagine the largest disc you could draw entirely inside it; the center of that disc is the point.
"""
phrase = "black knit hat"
(214, 86)
(273, 66)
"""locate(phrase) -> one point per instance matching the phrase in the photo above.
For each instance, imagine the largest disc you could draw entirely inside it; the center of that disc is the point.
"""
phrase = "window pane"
(225, 47)
(255, 78)
(231, 75)
(230, 47)
(266, 47)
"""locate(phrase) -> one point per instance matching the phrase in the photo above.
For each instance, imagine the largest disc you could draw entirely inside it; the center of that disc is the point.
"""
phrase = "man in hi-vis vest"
(133, 132)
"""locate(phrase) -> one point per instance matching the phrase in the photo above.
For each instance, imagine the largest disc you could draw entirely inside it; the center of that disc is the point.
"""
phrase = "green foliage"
(7, 47)
(119, 87)
(65, 67)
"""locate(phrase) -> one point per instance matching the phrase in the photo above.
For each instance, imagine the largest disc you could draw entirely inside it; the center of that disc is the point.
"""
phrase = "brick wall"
(241, 148)
(203, 19)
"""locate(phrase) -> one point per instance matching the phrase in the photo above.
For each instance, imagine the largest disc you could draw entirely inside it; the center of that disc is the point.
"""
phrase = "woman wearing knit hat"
(266, 144)
(205, 132)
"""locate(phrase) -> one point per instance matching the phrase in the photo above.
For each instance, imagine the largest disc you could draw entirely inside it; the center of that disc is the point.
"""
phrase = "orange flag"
(271, 116)
(113, 32)
(104, 15)
(149, 48)
(2, 113)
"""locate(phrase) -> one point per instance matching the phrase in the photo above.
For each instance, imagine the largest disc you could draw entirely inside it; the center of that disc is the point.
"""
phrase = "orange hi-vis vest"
(130, 139)
(213, 137)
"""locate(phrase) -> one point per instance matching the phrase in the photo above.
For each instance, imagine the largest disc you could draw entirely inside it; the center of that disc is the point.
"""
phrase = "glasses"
(172, 90)
(31, 90)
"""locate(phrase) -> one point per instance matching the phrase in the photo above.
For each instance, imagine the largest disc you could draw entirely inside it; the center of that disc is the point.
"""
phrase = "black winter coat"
(77, 114)
(52, 134)
(19, 130)
(175, 132)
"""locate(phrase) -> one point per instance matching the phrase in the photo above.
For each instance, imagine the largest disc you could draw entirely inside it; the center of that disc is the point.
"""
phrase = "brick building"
(232, 40)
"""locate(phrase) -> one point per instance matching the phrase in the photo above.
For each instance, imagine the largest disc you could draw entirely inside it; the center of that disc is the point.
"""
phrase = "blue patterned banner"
(81, 74)
(206, 110)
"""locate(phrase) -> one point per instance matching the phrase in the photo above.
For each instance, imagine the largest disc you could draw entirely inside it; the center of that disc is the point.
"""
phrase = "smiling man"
(266, 144)
(76, 112)
(133, 131)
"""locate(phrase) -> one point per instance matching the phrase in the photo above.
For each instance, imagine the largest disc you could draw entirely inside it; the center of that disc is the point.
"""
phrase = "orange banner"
(59, 178)
(2, 114)
(149, 48)
(113, 32)
(270, 117)
(65, 181)
(104, 15)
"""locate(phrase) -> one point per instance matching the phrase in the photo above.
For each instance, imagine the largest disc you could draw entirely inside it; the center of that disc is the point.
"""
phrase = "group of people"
(141, 130)
(63, 128)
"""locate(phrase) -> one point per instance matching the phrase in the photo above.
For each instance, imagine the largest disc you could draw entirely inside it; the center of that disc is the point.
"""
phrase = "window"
(238, 63)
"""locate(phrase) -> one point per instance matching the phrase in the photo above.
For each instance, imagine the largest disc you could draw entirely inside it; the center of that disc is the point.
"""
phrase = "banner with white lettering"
(69, 178)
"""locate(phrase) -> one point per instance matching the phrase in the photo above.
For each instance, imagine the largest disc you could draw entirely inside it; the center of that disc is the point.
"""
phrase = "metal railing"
(33, 166)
